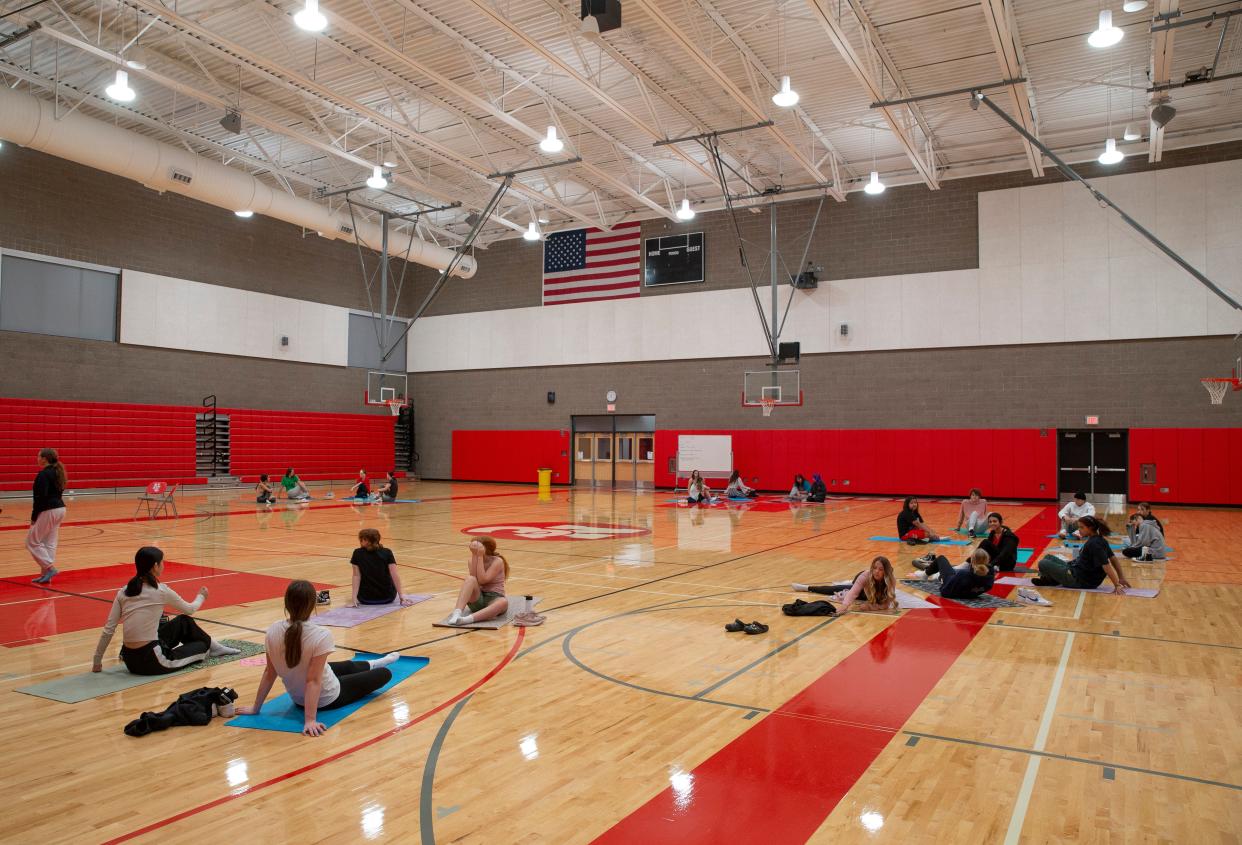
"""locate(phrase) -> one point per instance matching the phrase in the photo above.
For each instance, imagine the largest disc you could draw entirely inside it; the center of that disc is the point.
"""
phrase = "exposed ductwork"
(31, 122)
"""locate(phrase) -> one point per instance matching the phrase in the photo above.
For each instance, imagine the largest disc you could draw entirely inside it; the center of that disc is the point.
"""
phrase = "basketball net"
(1218, 387)
(768, 405)
(394, 405)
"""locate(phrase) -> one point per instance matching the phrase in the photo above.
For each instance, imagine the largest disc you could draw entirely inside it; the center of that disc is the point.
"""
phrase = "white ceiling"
(455, 90)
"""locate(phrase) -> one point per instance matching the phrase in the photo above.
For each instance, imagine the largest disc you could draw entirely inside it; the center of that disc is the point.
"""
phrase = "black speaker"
(789, 352)
(551, 397)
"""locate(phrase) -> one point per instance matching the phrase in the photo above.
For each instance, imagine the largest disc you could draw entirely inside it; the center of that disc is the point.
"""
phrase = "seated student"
(1000, 543)
(266, 494)
(294, 488)
(737, 488)
(819, 490)
(910, 524)
(483, 591)
(387, 491)
(968, 581)
(876, 583)
(360, 490)
(376, 579)
(974, 512)
(801, 487)
(1073, 511)
(1144, 510)
(1144, 539)
(1087, 571)
(297, 653)
(697, 491)
(152, 647)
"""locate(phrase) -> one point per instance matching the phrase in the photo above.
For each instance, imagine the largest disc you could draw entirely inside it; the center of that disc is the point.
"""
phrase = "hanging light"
(685, 212)
(787, 97)
(244, 213)
(1130, 133)
(119, 90)
(377, 180)
(1134, 5)
(551, 144)
(875, 186)
(531, 233)
(1111, 154)
(1105, 35)
(310, 18)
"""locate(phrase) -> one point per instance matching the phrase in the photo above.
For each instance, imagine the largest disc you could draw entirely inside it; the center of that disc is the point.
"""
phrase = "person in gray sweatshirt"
(1145, 540)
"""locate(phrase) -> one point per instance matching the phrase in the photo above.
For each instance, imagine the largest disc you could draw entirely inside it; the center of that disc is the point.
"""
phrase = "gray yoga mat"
(497, 622)
(348, 617)
(984, 601)
(1105, 589)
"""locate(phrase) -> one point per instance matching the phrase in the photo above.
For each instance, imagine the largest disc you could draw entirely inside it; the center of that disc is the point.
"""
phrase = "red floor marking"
(786, 773)
(517, 643)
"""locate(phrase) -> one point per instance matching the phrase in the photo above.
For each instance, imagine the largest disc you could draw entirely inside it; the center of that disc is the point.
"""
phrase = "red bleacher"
(318, 446)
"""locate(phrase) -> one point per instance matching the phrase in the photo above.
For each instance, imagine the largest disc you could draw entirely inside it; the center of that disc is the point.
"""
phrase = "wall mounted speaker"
(551, 397)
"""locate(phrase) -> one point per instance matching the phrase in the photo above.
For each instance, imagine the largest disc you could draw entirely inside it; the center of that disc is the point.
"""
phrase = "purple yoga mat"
(348, 617)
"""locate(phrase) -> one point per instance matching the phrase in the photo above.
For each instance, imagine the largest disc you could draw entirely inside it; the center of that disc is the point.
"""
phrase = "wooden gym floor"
(630, 715)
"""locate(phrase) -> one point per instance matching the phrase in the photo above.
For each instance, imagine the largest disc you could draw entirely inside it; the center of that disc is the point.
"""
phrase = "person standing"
(47, 514)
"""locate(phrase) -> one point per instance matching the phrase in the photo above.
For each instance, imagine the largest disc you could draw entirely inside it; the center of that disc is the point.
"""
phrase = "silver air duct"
(30, 122)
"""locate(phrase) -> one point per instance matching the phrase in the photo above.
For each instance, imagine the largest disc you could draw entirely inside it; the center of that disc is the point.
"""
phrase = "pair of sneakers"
(927, 565)
(746, 627)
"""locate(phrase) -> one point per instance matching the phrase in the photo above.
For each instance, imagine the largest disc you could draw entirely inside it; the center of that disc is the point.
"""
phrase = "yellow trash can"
(545, 480)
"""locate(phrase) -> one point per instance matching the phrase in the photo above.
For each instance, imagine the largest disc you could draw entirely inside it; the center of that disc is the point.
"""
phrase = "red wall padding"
(1193, 465)
(317, 446)
(510, 455)
(1004, 463)
(102, 444)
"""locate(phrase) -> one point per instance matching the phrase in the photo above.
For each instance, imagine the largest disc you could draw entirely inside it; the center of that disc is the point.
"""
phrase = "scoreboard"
(673, 259)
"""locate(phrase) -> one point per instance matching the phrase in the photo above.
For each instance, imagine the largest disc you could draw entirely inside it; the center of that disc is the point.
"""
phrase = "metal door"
(1093, 462)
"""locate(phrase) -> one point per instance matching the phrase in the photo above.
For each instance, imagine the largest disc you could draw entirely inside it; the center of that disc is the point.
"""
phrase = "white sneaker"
(1029, 595)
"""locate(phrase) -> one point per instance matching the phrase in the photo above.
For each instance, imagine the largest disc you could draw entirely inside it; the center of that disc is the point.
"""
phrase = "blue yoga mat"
(281, 714)
(1024, 555)
(393, 502)
(942, 541)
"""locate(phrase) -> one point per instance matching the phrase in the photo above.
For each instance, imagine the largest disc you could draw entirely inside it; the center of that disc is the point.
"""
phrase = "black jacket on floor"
(191, 708)
(808, 608)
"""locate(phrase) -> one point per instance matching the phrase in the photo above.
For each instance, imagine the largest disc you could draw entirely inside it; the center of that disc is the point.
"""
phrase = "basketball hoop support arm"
(980, 97)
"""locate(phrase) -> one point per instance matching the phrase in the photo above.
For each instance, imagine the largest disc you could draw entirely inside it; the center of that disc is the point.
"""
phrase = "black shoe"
(323, 597)
(922, 564)
(912, 542)
(972, 533)
(755, 628)
(735, 626)
(1043, 582)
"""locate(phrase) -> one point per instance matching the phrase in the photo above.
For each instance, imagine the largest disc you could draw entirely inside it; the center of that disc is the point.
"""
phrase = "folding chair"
(158, 497)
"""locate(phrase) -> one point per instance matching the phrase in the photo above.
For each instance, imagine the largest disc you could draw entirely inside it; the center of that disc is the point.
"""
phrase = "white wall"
(179, 314)
(1053, 267)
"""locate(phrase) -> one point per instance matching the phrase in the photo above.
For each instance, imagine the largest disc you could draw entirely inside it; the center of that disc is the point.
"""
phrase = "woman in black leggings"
(297, 653)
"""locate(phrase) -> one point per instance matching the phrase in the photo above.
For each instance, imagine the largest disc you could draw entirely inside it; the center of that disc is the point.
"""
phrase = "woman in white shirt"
(697, 491)
(152, 647)
(1073, 511)
(297, 653)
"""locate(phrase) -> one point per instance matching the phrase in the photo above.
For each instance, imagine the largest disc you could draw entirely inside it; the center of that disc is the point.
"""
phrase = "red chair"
(158, 497)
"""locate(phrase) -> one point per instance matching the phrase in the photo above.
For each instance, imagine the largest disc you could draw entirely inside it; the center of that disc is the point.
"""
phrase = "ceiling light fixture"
(244, 213)
(787, 97)
(875, 186)
(1111, 154)
(390, 164)
(1130, 133)
(377, 180)
(310, 18)
(135, 64)
(551, 144)
(119, 90)
(685, 212)
(1105, 35)
(1134, 5)
(531, 233)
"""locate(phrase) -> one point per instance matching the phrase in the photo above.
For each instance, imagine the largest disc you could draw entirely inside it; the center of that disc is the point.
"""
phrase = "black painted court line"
(759, 660)
(1114, 635)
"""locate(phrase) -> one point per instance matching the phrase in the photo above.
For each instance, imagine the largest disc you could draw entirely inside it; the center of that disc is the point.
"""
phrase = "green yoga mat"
(77, 688)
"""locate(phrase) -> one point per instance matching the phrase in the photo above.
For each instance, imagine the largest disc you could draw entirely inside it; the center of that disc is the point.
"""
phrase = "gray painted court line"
(426, 821)
(1113, 635)
(759, 660)
(1067, 758)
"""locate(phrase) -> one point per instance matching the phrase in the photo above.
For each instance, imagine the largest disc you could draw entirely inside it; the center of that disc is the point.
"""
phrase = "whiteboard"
(708, 453)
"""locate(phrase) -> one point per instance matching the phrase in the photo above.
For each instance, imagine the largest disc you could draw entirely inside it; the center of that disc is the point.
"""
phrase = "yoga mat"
(494, 623)
(348, 617)
(377, 501)
(905, 601)
(986, 600)
(281, 714)
(78, 688)
(942, 541)
(1106, 589)
(1024, 555)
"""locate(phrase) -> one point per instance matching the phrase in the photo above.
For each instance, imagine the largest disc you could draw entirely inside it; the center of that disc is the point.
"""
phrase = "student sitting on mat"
(818, 491)
(1144, 539)
(1074, 510)
(360, 490)
(376, 579)
(697, 491)
(974, 512)
(294, 488)
(1000, 543)
(1144, 510)
(297, 653)
(152, 647)
(737, 488)
(388, 490)
(801, 487)
(968, 581)
(876, 583)
(483, 591)
(266, 494)
(910, 524)
(1087, 571)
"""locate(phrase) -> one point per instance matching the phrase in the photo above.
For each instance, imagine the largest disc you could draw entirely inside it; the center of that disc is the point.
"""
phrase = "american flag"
(585, 265)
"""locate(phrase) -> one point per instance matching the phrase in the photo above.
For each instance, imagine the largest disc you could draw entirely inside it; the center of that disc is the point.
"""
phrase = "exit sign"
(1093, 420)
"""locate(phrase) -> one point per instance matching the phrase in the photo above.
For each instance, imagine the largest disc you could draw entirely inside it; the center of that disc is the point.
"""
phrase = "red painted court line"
(786, 773)
(193, 811)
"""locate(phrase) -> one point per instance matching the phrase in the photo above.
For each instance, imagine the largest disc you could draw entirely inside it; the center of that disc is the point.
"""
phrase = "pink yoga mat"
(348, 617)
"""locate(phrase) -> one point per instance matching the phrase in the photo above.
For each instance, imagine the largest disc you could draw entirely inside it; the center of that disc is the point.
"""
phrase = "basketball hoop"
(768, 405)
(1218, 387)
(395, 405)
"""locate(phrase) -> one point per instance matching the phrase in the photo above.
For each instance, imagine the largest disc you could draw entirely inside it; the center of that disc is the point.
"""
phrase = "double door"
(1093, 462)
(620, 459)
